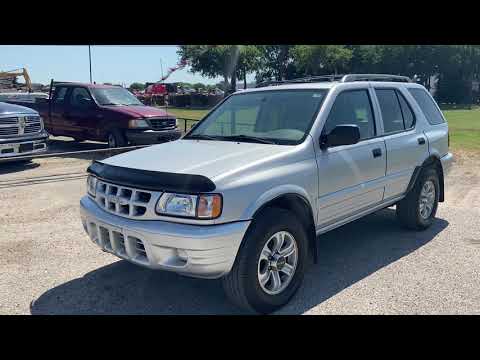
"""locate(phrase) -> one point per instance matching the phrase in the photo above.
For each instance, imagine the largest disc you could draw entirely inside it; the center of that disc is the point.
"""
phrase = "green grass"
(464, 125)
(187, 113)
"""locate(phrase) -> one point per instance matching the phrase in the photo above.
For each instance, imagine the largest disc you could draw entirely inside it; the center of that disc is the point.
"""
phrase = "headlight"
(136, 124)
(205, 206)
(92, 185)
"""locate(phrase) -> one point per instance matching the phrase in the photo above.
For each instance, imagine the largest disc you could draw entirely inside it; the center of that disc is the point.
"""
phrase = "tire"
(408, 209)
(242, 285)
(115, 139)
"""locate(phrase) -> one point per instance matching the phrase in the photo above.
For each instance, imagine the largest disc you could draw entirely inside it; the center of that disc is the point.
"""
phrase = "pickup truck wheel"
(417, 210)
(271, 262)
(116, 139)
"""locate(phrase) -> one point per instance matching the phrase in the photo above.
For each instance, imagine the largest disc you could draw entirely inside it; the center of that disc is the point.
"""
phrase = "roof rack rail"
(375, 77)
(308, 79)
(341, 78)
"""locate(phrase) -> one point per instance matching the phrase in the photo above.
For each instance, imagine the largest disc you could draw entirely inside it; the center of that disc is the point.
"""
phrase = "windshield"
(114, 96)
(276, 116)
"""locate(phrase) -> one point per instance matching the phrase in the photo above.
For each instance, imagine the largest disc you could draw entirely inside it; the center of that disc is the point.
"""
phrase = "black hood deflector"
(152, 180)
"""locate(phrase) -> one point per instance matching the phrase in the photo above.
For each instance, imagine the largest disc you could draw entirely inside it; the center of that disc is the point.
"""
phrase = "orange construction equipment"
(13, 74)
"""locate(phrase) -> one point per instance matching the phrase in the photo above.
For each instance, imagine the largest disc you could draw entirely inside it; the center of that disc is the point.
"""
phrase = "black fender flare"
(298, 204)
(432, 160)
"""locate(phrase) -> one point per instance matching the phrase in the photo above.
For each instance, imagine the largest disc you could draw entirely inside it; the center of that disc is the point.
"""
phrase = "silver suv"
(244, 195)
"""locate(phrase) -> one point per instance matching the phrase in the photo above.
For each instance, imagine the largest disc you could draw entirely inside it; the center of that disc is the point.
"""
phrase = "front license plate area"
(26, 147)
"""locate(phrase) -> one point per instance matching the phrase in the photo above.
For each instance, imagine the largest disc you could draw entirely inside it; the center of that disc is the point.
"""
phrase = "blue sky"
(113, 64)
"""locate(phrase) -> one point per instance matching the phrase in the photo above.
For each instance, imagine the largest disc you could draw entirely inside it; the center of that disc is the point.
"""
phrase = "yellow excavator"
(13, 74)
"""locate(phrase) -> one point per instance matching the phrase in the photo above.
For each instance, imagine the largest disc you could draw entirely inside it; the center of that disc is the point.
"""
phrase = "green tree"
(322, 59)
(459, 66)
(275, 62)
(199, 86)
(137, 86)
(226, 61)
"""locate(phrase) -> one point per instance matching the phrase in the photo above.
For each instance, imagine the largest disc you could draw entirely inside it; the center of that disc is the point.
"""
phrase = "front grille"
(9, 121)
(140, 248)
(115, 242)
(121, 200)
(32, 124)
(9, 126)
(20, 125)
(162, 123)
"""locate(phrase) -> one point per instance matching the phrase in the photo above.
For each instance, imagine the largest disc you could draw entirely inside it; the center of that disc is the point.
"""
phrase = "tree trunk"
(225, 82)
(233, 87)
(244, 78)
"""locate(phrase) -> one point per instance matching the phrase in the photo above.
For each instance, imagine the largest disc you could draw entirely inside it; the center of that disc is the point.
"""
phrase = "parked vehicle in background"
(21, 131)
(244, 195)
(104, 113)
(23, 98)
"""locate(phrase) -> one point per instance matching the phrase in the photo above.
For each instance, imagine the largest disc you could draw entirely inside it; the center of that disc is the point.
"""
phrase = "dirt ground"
(371, 266)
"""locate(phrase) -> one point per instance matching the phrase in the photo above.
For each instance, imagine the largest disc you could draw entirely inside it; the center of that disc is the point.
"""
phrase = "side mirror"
(340, 135)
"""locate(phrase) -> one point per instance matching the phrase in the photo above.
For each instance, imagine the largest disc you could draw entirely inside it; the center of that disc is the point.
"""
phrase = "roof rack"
(375, 77)
(308, 79)
(340, 78)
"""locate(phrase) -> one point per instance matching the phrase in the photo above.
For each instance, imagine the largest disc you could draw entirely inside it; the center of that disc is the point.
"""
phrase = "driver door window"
(76, 98)
(352, 107)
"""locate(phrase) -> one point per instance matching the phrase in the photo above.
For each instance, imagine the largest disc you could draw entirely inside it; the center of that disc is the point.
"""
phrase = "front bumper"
(204, 251)
(23, 146)
(147, 137)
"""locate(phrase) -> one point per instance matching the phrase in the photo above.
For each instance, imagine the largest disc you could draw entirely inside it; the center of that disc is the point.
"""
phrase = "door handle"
(377, 152)
(421, 141)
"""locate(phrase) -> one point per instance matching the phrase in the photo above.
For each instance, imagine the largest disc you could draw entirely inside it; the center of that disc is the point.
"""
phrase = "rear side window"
(391, 111)
(408, 116)
(426, 103)
(352, 107)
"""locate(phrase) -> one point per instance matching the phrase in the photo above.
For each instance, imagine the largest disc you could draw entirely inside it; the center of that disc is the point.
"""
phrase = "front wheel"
(418, 209)
(116, 139)
(270, 265)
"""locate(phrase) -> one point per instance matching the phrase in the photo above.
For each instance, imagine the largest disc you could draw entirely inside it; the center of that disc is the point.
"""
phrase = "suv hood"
(140, 111)
(197, 157)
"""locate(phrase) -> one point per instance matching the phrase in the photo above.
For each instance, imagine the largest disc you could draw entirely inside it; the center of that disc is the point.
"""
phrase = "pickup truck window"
(279, 116)
(114, 96)
(77, 95)
(60, 95)
(352, 107)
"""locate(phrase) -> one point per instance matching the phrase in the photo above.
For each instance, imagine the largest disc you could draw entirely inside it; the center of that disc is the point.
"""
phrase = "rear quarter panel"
(437, 137)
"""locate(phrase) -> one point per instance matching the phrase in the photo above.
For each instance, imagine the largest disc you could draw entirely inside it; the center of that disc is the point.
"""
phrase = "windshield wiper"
(248, 138)
(200, 137)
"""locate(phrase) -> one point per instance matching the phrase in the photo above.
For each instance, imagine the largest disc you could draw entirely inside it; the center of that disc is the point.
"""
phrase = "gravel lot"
(371, 266)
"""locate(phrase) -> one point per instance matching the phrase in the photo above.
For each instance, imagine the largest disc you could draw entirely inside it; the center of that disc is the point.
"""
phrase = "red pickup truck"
(104, 113)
